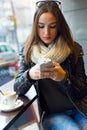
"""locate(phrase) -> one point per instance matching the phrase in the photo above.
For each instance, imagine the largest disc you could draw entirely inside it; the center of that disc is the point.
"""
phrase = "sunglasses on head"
(49, 2)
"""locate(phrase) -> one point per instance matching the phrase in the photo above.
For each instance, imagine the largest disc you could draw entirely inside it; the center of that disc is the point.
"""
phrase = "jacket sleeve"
(23, 82)
(77, 81)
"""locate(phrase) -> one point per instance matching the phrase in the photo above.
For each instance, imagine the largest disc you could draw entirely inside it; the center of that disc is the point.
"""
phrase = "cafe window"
(15, 26)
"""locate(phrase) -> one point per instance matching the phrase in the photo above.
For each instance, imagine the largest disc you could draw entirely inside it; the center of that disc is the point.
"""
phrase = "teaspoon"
(1, 92)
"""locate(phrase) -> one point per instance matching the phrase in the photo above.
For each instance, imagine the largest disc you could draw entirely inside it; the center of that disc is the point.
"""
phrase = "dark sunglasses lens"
(41, 3)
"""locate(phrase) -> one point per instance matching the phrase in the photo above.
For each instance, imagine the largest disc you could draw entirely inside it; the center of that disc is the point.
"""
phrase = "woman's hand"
(35, 72)
(56, 73)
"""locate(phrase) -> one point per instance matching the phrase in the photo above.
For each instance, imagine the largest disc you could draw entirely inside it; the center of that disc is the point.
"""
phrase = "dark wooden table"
(8, 118)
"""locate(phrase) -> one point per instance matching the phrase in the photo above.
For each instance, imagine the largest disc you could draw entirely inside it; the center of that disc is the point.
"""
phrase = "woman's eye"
(53, 26)
(41, 26)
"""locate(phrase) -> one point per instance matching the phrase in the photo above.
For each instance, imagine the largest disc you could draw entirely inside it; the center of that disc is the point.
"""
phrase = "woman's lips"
(47, 38)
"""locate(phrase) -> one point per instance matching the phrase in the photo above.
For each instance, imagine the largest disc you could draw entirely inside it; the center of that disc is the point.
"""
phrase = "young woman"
(61, 89)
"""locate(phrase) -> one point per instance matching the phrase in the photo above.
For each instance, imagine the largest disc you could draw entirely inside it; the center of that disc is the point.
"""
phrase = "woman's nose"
(47, 31)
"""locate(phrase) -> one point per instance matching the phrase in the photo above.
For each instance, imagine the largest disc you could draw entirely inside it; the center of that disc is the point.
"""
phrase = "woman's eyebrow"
(40, 23)
(49, 23)
(54, 23)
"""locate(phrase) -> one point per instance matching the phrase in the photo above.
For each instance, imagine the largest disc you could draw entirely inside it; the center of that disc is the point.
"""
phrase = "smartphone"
(44, 65)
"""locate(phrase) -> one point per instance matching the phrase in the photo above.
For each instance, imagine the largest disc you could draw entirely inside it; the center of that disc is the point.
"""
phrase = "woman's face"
(47, 27)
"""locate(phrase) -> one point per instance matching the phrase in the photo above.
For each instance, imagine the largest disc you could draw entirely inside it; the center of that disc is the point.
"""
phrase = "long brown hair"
(62, 27)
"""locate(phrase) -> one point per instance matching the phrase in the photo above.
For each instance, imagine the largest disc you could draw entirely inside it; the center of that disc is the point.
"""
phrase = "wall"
(75, 12)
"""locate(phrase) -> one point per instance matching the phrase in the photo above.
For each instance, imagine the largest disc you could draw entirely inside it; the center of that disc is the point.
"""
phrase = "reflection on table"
(8, 71)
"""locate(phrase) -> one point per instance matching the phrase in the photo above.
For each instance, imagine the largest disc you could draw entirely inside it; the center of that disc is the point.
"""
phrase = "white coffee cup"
(9, 98)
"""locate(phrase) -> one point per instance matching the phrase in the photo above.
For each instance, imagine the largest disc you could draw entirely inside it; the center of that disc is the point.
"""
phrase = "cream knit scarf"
(56, 51)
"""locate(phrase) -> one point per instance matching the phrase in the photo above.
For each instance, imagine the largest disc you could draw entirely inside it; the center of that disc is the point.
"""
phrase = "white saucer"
(17, 105)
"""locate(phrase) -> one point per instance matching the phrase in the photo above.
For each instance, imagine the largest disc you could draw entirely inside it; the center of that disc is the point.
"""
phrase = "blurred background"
(16, 18)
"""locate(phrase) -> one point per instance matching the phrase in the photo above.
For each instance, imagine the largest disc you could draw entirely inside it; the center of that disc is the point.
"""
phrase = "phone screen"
(43, 66)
